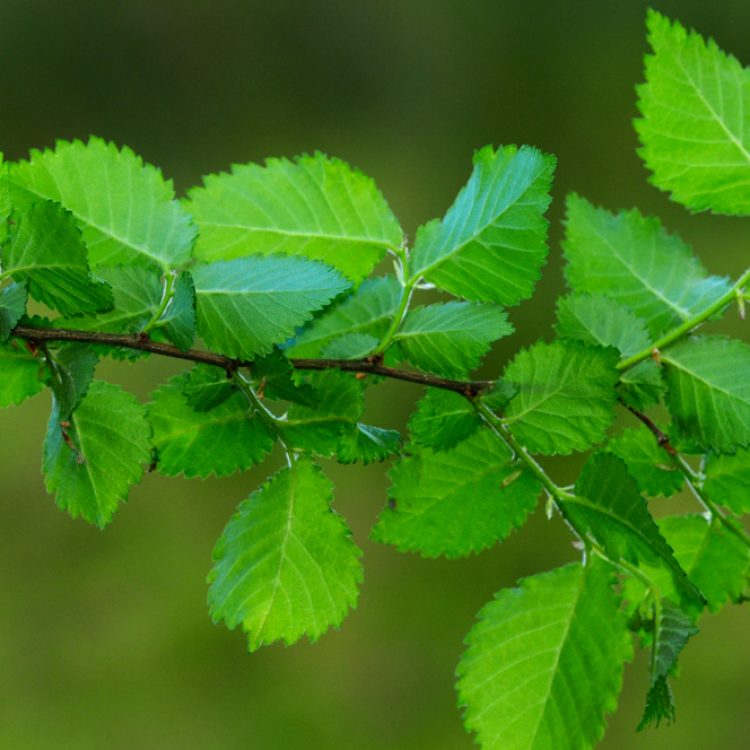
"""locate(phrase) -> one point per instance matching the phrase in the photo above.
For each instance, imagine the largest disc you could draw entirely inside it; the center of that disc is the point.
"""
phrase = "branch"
(143, 343)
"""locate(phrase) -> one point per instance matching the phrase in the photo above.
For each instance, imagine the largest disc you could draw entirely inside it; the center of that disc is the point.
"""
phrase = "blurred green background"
(105, 641)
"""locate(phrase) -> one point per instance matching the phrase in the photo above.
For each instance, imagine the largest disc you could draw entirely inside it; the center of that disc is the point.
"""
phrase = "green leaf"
(74, 366)
(226, 439)
(368, 444)
(673, 629)
(92, 459)
(21, 374)
(125, 208)
(48, 253)
(695, 129)
(598, 319)
(728, 480)
(277, 379)
(246, 306)
(205, 387)
(544, 662)
(337, 407)
(632, 260)
(443, 419)
(12, 308)
(708, 391)
(492, 242)
(500, 394)
(285, 565)
(566, 396)
(451, 338)
(647, 462)
(608, 506)
(368, 311)
(351, 346)
(458, 501)
(178, 322)
(313, 206)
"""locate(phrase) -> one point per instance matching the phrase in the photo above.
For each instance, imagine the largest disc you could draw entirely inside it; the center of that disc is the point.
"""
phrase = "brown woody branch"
(142, 343)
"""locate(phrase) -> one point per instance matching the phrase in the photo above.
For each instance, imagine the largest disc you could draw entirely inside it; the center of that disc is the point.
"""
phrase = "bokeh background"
(105, 641)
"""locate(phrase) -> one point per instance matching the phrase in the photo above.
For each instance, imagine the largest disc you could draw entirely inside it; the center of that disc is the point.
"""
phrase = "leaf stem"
(407, 290)
(166, 299)
(685, 328)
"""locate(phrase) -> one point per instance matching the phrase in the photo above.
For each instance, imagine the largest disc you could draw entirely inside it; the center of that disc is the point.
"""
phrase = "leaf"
(351, 346)
(708, 391)
(544, 662)
(456, 502)
(285, 565)
(608, 506)
(226, 439)
(451, 338)
(125, 208)
(443, 419)
(12, 308)
(368, 311)
(178, 322)
(205, 387)
(566, 396)
(673, 630)
(22, 375)
(368, 444)
(73, 366)
(277, 379)
(492, 242)
(728, 480)
(632, 260)
(48, 253)
(92, 459)
(337, 407)
(500, 394)
(313, 206)
(695, 128)
(246, 306)
(647, 462)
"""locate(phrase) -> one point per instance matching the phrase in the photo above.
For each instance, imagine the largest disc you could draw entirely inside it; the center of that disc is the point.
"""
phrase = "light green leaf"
(368, 444)
(12, 307)
(647, 462)
(492, 242)
(608, 506)
(673, 628)
(91, 464)
(368, 311)
(21, 374)
(728, 480)
(533, 676)
(708, 391)
(48, 253)
(226, 439)
(458, 501)
(443, 419)
(695, 129)
(125, 208)
(351, 346)
(566, 396)
(336, 409)
(632, 260)
(313, 206)
(451, 338)
(285, 565)
(246, 306)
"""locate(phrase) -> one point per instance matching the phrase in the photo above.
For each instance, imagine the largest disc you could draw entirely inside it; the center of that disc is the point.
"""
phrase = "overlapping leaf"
(728, 480)
(22, 374)
(566, 395)
(458, 501)
(125, 208)
(631, 259)
(246, 306)
(92, 459)
(533, 676)
(285, 565)
(12, 307)
(368, 444)
(695, 129)
(451, 338)
(442, 420)
(491, 244)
